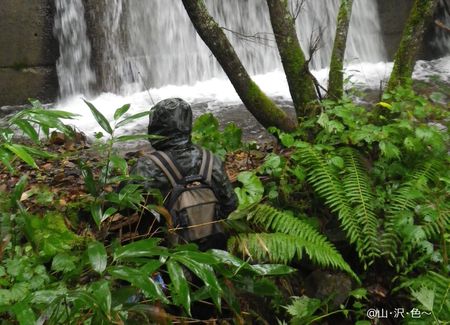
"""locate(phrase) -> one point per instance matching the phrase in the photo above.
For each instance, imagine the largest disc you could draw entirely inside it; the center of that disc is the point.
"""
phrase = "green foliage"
(114, 168)
(206, 133)
(289, 238)
(302, 308)
(49, 234)
(251, 191)
(27, 121)
(432, 291)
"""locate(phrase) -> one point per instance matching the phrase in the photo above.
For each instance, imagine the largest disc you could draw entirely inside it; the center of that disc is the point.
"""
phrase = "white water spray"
(73, 66)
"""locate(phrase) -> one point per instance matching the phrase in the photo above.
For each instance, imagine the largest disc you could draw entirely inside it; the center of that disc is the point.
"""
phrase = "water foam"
(218, 93)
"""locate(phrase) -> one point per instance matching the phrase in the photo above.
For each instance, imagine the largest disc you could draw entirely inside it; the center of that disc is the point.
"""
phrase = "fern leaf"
(405, 199)
(357, 188)
(283, 248)
(441, 287)
(326, 183)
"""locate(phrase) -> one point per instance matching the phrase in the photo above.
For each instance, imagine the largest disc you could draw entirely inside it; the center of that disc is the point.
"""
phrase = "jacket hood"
(172, 119)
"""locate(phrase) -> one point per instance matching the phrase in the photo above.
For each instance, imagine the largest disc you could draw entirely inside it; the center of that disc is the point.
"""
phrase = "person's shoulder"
(144, 166)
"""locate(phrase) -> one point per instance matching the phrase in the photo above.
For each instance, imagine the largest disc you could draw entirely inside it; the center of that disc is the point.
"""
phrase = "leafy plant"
(130, 195)
(27, 121)
(289, 237)
(206, 133)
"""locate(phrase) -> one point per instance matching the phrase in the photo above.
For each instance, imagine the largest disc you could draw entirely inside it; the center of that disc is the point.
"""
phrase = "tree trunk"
(336, 76)
(263, 108)
(405, 58)
(300, 83)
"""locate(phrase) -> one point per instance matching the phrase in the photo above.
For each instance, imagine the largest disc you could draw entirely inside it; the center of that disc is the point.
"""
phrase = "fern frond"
(441, 287)
(405, 199)
(283, 248)
(440, 225)
(357, 189)
(327, 184)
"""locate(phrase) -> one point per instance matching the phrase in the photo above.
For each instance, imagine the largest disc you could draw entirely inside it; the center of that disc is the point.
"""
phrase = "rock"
(323, 284)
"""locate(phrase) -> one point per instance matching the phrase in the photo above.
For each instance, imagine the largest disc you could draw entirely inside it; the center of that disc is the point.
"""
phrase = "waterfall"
(151, 43)
(74, 73)
(163, 47)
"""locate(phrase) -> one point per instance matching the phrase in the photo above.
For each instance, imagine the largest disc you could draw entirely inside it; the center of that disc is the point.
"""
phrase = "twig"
(442, 25)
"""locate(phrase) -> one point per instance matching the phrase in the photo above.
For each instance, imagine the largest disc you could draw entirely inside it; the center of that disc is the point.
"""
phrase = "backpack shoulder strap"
(206, 166)
(167, 166)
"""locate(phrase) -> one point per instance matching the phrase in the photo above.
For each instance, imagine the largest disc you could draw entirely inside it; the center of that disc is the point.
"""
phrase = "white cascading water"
(150, 51)
(75, 75)
(163, 47)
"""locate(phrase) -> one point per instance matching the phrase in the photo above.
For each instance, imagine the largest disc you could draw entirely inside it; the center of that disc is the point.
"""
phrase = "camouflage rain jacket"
(172, 118)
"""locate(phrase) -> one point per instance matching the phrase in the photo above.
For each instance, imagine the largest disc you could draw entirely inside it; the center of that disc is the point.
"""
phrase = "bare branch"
(296, 8)
(442, 25)
(255, 38)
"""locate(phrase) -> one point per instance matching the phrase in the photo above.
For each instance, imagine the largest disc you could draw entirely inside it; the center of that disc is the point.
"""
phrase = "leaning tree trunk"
(295, 66)
(336, 76)
(263, 108)
(412, 37)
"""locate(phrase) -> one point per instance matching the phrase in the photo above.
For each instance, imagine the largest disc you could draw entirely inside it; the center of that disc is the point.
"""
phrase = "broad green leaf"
(100, 118)
(385, 105)
(96, 212)
(132, 118)
(120, 164)
(19, 188)
(64, 263)
(89, 181)
(134, 137)
(102, 293)
(252, 189)
(200, 257)
(272, 269)
(97, 256)
(142, 248)
(206, 274)
(5, 157)
(22, 153)
(24, 314)
(151, 266)
(180, 288)
(139, 280)
(120, 111)
(108, 213)
(40, 153)
(337, 161)
(287, 139)
(227, 258)
(54, 113)
(28, 129)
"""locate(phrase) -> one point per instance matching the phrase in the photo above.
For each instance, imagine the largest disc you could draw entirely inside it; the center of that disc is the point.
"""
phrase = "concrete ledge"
(16, 86)
(26, 37)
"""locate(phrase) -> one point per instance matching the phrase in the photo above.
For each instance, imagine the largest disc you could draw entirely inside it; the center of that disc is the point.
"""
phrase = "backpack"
(191, 203)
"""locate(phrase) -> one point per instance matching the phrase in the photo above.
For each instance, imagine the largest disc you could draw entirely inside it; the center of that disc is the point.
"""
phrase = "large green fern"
(440, 292)
(350, 198)
(403, 202)
(290, 237)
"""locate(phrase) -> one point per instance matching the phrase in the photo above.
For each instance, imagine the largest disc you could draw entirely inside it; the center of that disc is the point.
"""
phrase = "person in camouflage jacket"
(172, 119)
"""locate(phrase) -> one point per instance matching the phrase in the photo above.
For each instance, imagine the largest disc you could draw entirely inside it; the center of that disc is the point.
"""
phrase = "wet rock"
(323, 284)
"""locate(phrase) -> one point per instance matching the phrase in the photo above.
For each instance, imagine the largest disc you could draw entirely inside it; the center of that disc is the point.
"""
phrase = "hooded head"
(172, 119)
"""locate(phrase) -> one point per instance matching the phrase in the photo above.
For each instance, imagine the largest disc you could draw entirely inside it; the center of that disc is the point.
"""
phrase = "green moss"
(412, 37)
(271, 114)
